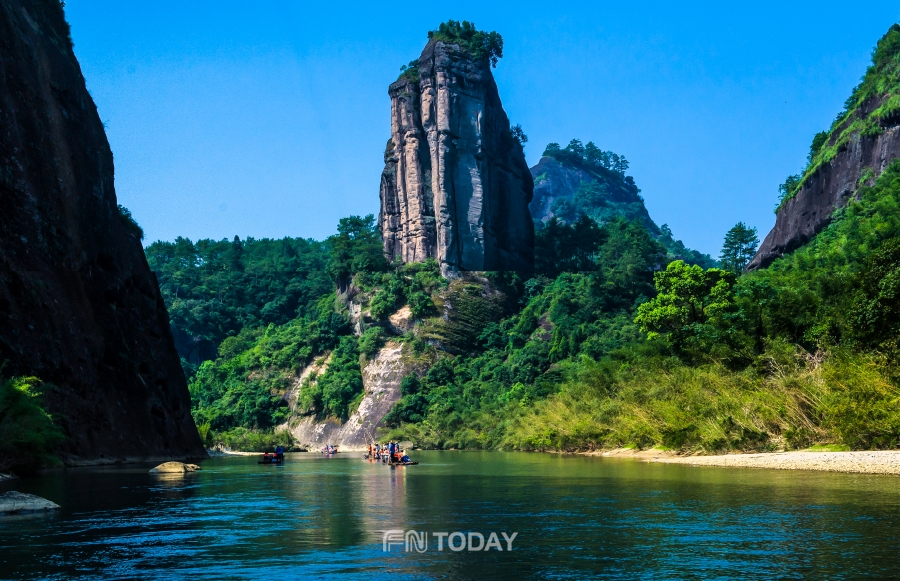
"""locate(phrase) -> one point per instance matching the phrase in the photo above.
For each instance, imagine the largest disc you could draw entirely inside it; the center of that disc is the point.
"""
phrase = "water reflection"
(575, 517)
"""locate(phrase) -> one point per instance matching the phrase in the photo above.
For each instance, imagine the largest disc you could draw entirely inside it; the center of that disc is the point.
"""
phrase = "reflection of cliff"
(455, 186)
(79, 306)
(381, 382)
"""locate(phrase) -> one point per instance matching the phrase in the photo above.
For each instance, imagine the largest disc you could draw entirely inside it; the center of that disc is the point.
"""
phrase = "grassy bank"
(789, 400)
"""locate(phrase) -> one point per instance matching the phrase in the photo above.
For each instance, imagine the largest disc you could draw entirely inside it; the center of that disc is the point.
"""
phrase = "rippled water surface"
(576, 517)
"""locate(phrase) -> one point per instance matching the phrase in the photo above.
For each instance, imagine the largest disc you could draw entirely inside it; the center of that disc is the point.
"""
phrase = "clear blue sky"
(269, 119)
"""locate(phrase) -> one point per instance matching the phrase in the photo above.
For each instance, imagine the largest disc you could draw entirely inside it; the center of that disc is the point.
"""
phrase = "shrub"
(130, 223)
(27, 432)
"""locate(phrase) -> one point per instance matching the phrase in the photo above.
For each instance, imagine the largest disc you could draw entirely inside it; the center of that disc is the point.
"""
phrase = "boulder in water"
(174, 468)
(14, 502)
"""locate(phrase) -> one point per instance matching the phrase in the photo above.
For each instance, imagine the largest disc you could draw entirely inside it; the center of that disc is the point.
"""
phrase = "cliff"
(857, 148)
(455, 186)
(79, 307)
(830, 187)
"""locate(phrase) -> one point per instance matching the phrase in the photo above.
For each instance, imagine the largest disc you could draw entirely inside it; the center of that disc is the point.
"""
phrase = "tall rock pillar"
(455, 186)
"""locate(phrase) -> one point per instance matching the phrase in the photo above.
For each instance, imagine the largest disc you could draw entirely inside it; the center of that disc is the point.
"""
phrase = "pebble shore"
(878, 462)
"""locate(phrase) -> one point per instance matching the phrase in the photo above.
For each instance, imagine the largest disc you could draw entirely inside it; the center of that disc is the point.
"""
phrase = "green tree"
(875, 313)
(819, 139)
(236, 255)
(355, 248)
(739, 248)
(567, 248)
(787, 190)
(688, 297)
(517, 133)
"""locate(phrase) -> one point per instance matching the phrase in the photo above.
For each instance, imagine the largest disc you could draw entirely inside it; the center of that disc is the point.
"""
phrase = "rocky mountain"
(455, 186)
(559, 190)
(79, 307)
(858, 147)
(582, 179)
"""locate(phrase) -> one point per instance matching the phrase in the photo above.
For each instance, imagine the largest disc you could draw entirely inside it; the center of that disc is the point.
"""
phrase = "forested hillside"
(215, 289)
(802, 353)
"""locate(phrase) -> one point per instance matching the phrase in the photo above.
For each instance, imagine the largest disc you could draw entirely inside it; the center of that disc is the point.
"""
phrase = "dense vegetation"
(611, 343)
(800, 353)
(608, 195)
(481, 45)
(589, 157)
(215, 289)
(27, 432)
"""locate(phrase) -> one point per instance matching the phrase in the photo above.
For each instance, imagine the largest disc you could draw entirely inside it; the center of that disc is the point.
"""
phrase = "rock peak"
(455, 186)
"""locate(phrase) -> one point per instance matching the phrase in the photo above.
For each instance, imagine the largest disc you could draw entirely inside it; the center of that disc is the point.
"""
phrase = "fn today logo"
(411, 541)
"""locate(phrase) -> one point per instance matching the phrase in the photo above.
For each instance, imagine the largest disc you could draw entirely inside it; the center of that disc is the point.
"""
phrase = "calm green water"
(575, 518)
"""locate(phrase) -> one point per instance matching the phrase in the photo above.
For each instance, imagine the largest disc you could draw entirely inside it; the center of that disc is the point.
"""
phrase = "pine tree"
(739, 248)
(236, 255)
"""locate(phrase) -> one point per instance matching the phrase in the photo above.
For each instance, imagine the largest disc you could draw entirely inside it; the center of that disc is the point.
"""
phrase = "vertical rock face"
(455, 185)
(79, 307)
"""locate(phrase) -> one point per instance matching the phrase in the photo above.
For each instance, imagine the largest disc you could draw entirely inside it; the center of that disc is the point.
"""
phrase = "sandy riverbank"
(876, 462)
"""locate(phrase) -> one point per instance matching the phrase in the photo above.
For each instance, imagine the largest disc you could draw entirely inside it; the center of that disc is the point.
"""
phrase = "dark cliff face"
(455, 185)
(79, 307)
(831, 187)
(612, 195)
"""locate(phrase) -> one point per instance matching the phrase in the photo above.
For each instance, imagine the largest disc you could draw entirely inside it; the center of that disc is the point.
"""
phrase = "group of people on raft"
(329, 449)
(276, 458)
(388, 453)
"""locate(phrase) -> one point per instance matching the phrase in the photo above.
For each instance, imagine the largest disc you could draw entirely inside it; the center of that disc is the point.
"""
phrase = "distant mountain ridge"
(583, 179)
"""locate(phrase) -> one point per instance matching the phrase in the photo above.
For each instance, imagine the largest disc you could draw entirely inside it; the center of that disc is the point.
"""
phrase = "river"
(575, 517)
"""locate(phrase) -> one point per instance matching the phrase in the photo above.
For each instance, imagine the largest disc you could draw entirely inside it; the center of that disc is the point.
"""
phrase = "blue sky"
(270, 119)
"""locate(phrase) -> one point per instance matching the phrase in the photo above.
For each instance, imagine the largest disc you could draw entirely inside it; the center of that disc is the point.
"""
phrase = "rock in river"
(14, 502)
(174, 468)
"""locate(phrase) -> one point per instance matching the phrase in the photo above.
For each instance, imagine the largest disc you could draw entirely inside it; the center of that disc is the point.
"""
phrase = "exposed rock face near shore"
(455, 186)
(381, 381)
(79, 307)
(831, 187)
(16, 502)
